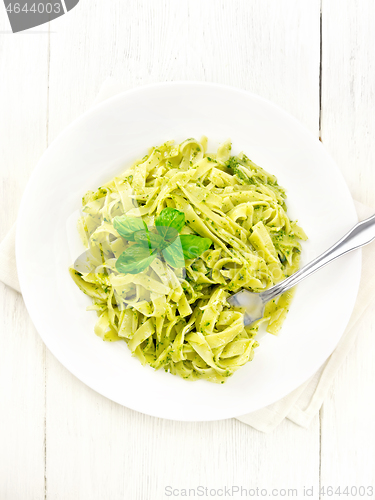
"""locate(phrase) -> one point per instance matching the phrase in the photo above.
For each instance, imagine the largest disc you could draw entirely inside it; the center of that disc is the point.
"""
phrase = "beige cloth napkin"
(303, 403)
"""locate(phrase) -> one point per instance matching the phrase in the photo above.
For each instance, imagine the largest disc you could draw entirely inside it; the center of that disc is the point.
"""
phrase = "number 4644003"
(348, 491)
(36, 8)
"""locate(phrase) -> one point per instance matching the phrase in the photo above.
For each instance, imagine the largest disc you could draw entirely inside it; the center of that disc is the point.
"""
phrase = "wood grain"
(348, 131)
(348, 92)
(23, 123)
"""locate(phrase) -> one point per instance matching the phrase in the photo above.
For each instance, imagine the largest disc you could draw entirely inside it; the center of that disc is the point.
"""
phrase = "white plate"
(98, 146)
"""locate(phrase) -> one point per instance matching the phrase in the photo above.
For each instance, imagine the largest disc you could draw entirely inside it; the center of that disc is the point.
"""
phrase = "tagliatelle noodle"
(179, 319)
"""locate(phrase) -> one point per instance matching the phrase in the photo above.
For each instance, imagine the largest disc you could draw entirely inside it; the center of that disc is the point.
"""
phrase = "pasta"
(169, 240)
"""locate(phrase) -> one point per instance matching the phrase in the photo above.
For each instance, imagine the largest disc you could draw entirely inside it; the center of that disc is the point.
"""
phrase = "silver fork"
(254, 303)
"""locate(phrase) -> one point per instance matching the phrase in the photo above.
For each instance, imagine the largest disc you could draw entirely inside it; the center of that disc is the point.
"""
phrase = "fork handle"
(361, 234)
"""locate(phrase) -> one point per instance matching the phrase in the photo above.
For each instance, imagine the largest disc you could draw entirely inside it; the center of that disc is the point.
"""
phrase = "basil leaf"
(150, 239)
(193, 246)
(135, 259)
(169, 223)
(174, 255)
(127, 226)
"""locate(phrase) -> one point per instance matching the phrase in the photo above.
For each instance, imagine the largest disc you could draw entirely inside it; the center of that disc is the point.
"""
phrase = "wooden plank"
(348, 129)
(95, 448)
(23, 118)
(348, 88)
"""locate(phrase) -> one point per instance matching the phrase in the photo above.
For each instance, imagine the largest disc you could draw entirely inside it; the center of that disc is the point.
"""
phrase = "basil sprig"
(163, 238)
(134, 260)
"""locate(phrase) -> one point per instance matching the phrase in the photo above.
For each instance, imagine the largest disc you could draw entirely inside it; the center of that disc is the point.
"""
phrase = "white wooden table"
(58, 438)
